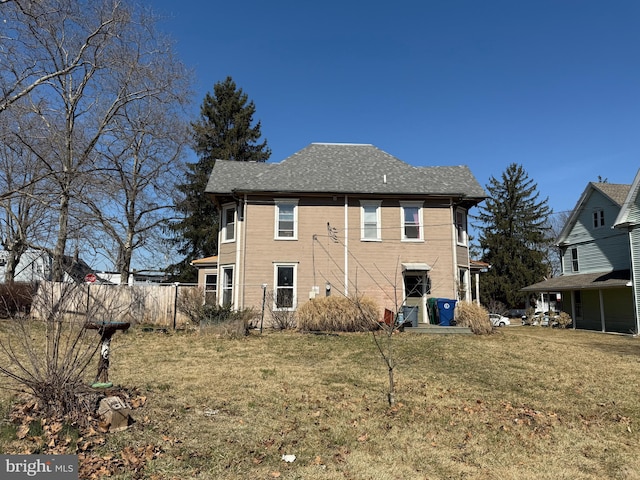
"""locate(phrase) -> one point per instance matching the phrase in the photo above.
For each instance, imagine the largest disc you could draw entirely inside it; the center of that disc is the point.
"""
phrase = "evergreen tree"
(224, 131)
(513, 237)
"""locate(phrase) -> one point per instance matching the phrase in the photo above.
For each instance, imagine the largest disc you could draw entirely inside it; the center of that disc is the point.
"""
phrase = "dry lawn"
(524, 403)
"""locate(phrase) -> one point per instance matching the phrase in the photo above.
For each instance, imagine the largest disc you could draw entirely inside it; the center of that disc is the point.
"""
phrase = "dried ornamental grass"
(340, 314)
(474, 316)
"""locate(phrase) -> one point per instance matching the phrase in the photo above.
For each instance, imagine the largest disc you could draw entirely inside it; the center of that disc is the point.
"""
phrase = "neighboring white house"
(600, 248)
(36, 265)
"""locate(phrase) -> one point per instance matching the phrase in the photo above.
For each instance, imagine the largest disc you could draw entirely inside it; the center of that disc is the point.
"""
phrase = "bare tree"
(100, 59)
(24, 66)
(139, 159)
(23, 212)
(557, 221)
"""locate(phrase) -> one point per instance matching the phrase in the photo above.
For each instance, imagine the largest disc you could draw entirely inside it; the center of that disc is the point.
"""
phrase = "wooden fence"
(139, 304)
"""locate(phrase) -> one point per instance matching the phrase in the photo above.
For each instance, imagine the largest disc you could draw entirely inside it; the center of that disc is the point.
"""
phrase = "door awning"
(415, 267)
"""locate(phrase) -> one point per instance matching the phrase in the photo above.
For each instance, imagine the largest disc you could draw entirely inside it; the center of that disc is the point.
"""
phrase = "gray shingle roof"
(342, 168)
(615, 191)
(615, 278)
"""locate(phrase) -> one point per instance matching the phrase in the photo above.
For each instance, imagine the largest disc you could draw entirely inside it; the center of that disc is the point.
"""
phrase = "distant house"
(342, 219)
(36, 265)
(600, 252)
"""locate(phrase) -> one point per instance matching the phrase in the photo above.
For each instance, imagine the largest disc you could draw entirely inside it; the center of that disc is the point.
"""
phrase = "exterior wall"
(617, 306)
(33, 266)
(599, 249)
(634, 239)
(329, 250)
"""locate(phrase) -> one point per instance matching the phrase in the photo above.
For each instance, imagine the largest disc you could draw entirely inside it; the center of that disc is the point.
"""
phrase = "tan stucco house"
(342, 219)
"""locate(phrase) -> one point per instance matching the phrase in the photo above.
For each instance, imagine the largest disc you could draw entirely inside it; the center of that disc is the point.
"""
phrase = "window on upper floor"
(461, 226)
(285, 282)
(412, 227)
(370, 225)
(598, 218)
(574, 260)
(286, 220)
(228, 223)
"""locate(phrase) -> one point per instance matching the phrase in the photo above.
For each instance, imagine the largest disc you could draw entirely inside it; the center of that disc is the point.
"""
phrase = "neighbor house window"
(229, 223)
(285, 286)
(210, 288)
(286, 220)
(461, 226)
(574, 260)
(370, 226)
(598, 218)
(227, 286)
(412, 221)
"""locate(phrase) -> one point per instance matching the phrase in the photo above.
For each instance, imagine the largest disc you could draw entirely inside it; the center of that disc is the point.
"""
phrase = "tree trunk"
(57, 273)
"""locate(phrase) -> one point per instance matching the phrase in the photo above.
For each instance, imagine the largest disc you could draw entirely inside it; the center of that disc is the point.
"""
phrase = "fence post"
(175, 305)
(264, 296)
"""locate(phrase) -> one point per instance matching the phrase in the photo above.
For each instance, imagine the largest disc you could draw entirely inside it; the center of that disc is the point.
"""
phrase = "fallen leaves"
(62, 435)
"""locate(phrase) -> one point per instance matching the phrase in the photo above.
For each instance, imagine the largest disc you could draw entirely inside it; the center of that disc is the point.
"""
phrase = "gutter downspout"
(244, 249)
(454, 249)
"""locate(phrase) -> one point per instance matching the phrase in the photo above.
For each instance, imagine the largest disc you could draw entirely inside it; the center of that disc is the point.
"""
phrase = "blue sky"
(553, 85)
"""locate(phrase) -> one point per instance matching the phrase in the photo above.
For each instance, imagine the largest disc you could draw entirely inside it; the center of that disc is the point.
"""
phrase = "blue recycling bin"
(446, 308)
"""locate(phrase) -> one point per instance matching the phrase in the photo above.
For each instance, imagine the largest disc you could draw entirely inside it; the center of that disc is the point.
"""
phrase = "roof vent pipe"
(384, 179)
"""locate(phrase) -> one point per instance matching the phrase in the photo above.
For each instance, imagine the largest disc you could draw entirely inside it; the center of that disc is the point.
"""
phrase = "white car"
(498, 320)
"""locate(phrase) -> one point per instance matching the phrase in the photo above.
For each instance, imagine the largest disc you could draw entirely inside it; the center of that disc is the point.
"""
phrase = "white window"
(461, 226)
(286, 220)
(228, 223)
(227, 286)
(598, 218)
(370, 226)
(285, 282)
(412, 228)
(210, 288)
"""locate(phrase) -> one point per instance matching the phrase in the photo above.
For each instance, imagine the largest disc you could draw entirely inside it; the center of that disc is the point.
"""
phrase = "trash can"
(410, 315)
(432, 310)
(446, 308)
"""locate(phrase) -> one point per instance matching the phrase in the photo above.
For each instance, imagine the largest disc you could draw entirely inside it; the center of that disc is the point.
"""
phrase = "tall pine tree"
(224, 131)
(513, 237)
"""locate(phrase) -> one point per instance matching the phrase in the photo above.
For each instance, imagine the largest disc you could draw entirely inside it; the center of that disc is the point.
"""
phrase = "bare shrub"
(474, 316)
(15, 299)
(563, 320)
(191, 302)
(496, 306)
(357, 314)
(49, 351)
(50, 355)
(281, 318)
(229, 324)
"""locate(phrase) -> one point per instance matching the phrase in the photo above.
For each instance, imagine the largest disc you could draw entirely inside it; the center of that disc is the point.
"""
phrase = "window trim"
(223, 287)
(278, 203)
(575, 265)
(461, 228)
(419, 206)
(378, 205)
(598, 218)
(294, 287)
(225, 224)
